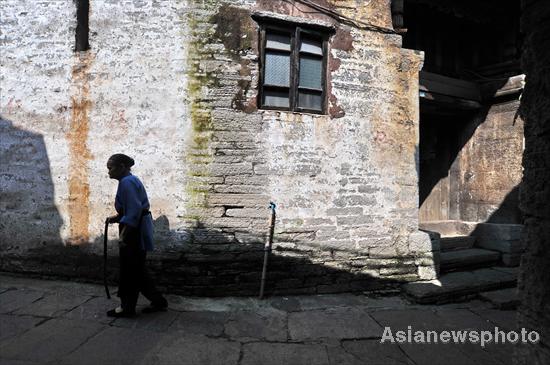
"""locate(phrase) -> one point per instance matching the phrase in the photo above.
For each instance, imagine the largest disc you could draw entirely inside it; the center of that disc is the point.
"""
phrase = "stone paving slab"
(457, 284)
(317, 329)
(49, 341)
(190, 304)
(462, 319)
(339, 323)
(18, 362)
(384, 303)
(14, 299)
(194, 350)
(371, 352)
(435, 319)
(286, 304)
(53, 304)
(93, 310)
(502, 299)
(249, 326)
(447, 354)
(201, 323)
(121, 346)
(500, 353)
(330, 301)
(399, 320)
(283, 353)
(158, 322)
(485, 356)
(12, 326)
(503, 319)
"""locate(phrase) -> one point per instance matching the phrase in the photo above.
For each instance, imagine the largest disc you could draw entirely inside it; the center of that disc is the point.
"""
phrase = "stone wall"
(534, 281)
(174, 84)
(488, 170)
(471, 164)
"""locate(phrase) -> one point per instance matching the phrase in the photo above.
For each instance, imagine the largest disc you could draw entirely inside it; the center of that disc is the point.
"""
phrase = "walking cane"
(105, 233)
(267, 247)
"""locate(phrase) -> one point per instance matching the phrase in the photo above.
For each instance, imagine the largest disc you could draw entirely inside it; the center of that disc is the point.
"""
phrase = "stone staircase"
(466, 270)
(458, 254)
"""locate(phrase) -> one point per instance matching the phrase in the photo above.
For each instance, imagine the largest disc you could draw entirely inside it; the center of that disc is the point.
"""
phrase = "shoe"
(154, 308)
(123, 314)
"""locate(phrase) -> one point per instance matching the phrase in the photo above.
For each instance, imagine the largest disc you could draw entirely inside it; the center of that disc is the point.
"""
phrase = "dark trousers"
(134, 277)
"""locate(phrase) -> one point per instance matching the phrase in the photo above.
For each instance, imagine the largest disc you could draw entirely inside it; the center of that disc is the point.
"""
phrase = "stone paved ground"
(54, 322)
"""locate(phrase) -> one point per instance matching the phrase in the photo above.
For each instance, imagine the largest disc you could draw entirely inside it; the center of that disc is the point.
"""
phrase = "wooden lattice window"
(293, 68)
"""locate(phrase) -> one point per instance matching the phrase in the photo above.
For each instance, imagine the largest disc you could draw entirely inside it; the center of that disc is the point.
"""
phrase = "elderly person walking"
(136, 238)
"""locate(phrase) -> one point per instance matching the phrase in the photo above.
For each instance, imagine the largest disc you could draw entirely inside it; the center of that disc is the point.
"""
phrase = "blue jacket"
(130, 202)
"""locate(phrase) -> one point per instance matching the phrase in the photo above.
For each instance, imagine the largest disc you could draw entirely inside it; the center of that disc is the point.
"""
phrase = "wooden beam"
(512, 85)
(432, 84)
(448, 102)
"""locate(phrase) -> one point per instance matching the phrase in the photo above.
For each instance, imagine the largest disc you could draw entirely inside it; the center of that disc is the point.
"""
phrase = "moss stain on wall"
(199, 154)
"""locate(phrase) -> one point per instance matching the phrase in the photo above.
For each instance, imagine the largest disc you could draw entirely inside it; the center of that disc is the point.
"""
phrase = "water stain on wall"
(79, 153)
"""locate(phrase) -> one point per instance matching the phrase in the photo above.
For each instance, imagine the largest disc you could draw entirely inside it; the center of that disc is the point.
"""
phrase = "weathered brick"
(358, 220)
(354, 200)
(345, 211)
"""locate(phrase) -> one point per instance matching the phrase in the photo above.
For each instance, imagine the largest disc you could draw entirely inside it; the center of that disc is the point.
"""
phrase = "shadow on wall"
(215, 264)
(444, 133)
(508, 211)
(200, 260)
(26, 192)
(442, 137)
(206, 261)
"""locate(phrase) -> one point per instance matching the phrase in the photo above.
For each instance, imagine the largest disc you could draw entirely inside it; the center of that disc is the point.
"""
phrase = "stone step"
(503, 299)
(456, 243)
(457, 285)
(468, 258)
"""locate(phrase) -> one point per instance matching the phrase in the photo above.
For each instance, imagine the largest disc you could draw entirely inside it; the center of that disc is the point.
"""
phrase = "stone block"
(456, 242)
(345, 211)
(239, 189)
(449, 227)
(354, 200)
(499, 237)
(387, 271)
(468, 258)
(428, 272)
(331, 234)
(357, 220)
(456, 284)
(391, 251)
(420, 242)
(222, 169)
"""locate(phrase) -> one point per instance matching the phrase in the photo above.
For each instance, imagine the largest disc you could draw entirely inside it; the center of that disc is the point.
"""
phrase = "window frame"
(295, 31)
